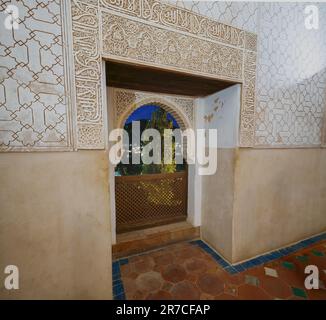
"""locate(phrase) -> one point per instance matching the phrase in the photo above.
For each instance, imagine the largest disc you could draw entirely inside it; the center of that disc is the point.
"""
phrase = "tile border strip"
(117, 285)
(259, 260)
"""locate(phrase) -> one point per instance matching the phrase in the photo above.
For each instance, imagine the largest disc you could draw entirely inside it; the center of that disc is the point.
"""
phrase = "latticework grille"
(151, 199)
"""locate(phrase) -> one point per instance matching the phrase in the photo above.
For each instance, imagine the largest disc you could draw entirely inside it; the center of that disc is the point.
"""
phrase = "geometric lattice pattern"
(241, 14)
(286, 108)
(33, 102)
(291, 62)
(291, 73)
(149, 199)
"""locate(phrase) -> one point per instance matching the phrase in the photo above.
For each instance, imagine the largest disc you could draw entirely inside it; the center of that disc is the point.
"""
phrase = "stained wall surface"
(55, 224)
(280, 198)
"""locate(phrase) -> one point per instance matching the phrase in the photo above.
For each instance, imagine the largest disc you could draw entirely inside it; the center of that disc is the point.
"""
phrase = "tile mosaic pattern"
(192, 270)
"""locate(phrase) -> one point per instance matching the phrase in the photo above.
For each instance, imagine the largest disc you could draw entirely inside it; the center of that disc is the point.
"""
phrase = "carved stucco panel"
(87, 63)
(247, 120)
(150, 33)
(125, 101)
(171, 16)
(132, 40)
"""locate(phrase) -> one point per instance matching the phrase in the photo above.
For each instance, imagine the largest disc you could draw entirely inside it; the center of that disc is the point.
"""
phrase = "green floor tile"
(299, 292)
(288, 265)
(317, 253)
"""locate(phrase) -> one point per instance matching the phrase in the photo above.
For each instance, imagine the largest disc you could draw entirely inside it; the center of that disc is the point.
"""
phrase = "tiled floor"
(191, 270)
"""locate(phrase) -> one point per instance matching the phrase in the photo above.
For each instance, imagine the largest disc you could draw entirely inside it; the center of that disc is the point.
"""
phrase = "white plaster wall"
(221, 111)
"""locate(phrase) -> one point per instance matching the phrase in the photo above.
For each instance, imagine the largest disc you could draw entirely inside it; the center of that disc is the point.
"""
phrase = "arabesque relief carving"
(126, 101)
(132, 40)
(87, 62)
(161, 35)
(180, 19)
(68, 112)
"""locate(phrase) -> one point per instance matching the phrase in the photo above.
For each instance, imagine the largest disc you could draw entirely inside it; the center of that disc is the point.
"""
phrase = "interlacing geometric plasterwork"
(240, 14)
(151, 33)
(126, 101)
(291, 86)
(291, 74)
(87, 63)
(34, 89)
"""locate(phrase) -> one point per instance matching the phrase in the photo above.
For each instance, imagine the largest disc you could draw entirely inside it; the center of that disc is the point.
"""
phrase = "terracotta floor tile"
(210, 283)
(185, 290)
(276, 287)
(316, 294)
(186, 271)
(149, 281)
(163, 259)
(292, 277)
(174, 273)
(135, 295)
(225, 296)
(249, 292)
(143, 265)
(205, 296)
(196, 265)
(159, 295)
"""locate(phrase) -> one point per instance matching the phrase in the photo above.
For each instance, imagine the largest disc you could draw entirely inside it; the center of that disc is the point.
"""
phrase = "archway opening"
(150, 194)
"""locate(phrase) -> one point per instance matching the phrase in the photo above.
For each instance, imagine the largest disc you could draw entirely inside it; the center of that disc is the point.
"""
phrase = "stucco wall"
(217, 204)
(280, 198)
(54, 224)
(263, 199)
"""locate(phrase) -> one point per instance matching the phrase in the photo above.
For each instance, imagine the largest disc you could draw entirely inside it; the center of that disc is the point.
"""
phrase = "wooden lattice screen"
(148, 200)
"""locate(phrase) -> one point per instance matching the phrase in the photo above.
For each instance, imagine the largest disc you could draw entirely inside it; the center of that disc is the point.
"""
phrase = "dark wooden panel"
(137, 77)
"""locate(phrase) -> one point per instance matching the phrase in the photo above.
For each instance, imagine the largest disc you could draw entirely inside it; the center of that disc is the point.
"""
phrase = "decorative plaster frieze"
(136, 41)
(126, 101)
(87, 64)
(160, 35)
(247, 116)
(179, 19)
(250, 41)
